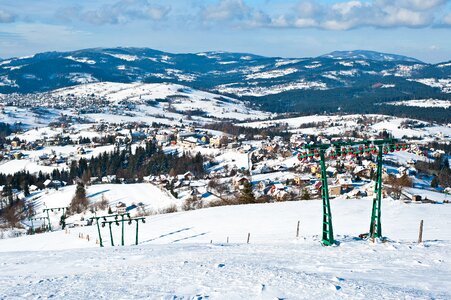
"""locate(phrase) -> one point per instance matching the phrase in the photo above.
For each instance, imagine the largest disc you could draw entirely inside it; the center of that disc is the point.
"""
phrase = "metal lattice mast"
(328, 233)
(375, 226)
(353, 148)
(62, 219)
(116, 221)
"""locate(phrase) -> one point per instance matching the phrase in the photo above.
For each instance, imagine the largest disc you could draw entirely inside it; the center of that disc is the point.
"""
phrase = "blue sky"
(290, 28)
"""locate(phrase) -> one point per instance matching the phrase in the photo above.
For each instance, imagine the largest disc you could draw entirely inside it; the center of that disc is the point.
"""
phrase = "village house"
(238, 181)
(108, 179)
(334, 190)
(56, 184)
(121, 208)
(278, 191)
(362, 171)
(345, 182)
(219, 141)
(189, 142)
(302, 180)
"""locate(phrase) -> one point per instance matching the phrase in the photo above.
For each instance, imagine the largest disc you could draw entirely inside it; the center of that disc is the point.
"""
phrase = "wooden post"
(297, 230)
(248, 237)
(420, 236)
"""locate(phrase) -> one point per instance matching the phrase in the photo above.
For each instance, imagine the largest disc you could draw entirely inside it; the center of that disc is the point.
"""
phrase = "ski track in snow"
(357, 270)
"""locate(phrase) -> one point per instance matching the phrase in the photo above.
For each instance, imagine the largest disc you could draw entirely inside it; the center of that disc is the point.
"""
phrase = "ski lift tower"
(344, 149)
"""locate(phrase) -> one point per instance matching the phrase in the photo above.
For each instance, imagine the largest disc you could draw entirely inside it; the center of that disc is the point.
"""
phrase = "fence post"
(248, 237)
(420, 236)
(297, 230)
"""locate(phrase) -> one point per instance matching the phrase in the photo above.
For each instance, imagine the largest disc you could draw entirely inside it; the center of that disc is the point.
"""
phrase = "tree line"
(131, 167)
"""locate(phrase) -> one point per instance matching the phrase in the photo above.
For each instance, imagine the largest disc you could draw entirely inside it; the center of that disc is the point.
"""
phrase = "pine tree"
(79, 202)
(247, 196)
(305, 195)
(26, 190)
(434, 182)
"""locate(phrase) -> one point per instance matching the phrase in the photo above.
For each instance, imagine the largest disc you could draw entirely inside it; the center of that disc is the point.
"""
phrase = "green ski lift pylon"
(137, 219)
(338, 149)
(31, 219)
(32, 226)
(328, 232)
(123, 218)
(375, 226)
(63, 217)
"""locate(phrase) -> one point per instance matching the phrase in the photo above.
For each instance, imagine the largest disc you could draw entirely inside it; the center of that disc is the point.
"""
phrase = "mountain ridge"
(276, 84)
(371, 55)
(345, 54)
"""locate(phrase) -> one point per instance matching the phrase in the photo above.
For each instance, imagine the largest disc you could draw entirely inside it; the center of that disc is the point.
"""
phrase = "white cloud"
(342, 15)
(416, 4)
(119, 12)
(447, 19)
(226, 10)
(6, 17)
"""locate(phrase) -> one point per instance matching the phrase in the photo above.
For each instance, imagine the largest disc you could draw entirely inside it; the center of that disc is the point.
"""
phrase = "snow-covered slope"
(175, 259)
(152, 197)
(369, 55)
(275, 84)
(133, 102)
(423, 103)
(342, 123)
(159, 98)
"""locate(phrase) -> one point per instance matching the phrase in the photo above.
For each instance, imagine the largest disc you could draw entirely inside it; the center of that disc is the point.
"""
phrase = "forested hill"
(346, 80)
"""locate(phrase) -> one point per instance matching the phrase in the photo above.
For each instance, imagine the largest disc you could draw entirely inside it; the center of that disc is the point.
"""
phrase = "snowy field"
(345, 123)
(188, 99)
(151, 196)
(175, 259)
(423, 103)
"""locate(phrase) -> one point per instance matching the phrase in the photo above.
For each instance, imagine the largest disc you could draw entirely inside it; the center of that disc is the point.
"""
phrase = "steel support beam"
(328, 233)
(375, 225)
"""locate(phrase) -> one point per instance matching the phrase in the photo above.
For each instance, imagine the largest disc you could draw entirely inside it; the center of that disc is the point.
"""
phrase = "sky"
(289, 28)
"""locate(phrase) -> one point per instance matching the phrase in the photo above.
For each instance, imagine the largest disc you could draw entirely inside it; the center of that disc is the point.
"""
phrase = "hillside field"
(185, 255)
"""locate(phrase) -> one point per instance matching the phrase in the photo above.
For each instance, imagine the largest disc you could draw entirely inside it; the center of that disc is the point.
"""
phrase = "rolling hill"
(343, 80)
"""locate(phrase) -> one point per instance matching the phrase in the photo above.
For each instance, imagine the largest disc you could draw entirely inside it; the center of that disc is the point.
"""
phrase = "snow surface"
(124, 56)
(175, 259)
(185, 99)
(259, 91)
(272, 74)
(84, 60)
(150, 195)
(444, 84)
(347, 122)
(423, 103)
